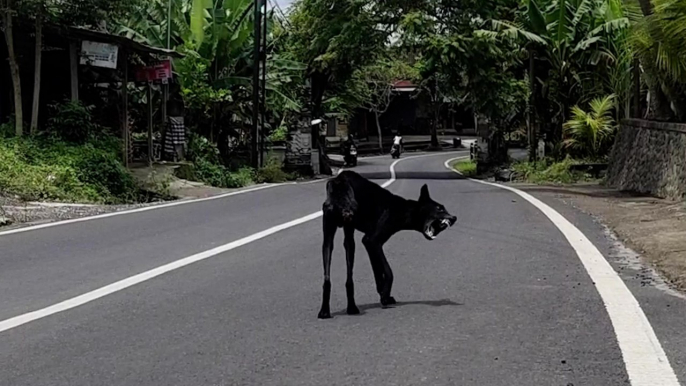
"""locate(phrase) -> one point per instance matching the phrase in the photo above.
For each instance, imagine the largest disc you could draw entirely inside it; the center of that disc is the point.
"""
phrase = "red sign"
(160, 71)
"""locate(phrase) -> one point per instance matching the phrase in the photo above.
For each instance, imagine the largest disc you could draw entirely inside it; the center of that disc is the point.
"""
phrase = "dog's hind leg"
(350, 260)
(327, 250)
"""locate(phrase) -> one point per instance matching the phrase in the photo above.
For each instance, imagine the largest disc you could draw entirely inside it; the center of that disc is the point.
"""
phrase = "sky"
(284, 3)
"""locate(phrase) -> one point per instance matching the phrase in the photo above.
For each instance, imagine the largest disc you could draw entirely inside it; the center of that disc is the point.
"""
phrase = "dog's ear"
(424, 194)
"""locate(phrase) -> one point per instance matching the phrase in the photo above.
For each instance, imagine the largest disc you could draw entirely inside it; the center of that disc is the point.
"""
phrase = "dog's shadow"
(433, 303)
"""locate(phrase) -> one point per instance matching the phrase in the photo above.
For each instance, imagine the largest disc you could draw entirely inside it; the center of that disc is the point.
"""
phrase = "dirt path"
(653, 227)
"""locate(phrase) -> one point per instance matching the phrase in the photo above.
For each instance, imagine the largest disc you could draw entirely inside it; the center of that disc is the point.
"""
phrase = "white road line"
(138, 210)
(645, 360)
(88, 297)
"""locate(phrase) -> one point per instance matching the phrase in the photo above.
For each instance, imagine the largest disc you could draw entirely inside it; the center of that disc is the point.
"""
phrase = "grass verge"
(549, 172)
(54, 170)
(466, 167)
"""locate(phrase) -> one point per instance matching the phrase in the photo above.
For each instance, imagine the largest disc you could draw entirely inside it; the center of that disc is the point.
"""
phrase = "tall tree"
(37, 68)
(333, 38)
(8, 12)
(373, 86)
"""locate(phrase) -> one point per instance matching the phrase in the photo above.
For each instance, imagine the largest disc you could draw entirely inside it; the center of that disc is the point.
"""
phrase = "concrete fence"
(650, 158)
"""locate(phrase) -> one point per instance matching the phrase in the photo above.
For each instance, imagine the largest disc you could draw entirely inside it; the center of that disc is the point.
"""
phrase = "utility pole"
(257, 40)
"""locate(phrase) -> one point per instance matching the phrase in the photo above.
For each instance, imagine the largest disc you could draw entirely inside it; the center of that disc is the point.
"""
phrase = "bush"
(280, 134)
(200, 148)
(549, 172)
(207, 166)
(466, 167)
(7, 129)
(218, 175)
(272, 173)
(72, 122)
(38, 169)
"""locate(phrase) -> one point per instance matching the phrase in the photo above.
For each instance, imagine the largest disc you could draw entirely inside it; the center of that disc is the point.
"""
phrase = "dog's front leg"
(382, 270)
(349, 244)
(377, 265)
(327, 250)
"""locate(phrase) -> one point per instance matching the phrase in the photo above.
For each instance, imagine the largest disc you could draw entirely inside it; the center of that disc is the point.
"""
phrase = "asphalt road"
(499, 299)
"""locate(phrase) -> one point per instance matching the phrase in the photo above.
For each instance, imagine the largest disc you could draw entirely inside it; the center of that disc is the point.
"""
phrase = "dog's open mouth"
(436, 227)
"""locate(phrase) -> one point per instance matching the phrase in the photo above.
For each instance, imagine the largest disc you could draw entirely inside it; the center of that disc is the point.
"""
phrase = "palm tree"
(657, 37)
(587, 133)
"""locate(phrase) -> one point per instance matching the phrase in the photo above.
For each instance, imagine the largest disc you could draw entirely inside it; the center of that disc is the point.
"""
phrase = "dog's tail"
(340, 199)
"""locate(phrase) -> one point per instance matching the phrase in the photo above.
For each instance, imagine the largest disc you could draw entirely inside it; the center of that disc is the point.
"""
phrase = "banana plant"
(658, 40)
(578, 43)
(216, 36)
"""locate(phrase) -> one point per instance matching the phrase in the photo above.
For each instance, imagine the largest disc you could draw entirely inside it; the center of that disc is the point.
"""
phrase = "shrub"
(548, 172)
(207, 166)
(243, 177)
(200, 147)
(466, 167)
(7, 129)
(588, 133)
(72, 121)
(272, 173)
(280, 134)
(39, 169)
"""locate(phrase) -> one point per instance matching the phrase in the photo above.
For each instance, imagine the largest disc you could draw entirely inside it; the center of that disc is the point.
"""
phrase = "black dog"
(355, 203)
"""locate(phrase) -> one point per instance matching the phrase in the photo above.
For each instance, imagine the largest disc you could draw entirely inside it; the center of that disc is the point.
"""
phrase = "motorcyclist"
(347, 146)
(398, 142)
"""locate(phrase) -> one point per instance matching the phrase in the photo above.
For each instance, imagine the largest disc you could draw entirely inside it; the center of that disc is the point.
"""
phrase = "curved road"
(501, 298)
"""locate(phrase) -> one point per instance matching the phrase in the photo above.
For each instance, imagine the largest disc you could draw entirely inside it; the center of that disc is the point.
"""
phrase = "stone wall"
(650, 158)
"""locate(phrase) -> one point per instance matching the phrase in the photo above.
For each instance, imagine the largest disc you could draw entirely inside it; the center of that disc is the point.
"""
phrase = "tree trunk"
(14, 70)
(37, 74)
(378, 130)
(434, 126)
(437, 107)
(646, 7)
(531, 132)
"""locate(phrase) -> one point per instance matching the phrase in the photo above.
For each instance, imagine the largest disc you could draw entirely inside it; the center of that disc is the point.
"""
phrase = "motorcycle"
(350, 156)
(395, 151)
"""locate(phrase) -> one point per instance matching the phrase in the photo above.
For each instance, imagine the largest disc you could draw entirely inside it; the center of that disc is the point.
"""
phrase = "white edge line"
(645, 360)
(138, 210)
(109, 289)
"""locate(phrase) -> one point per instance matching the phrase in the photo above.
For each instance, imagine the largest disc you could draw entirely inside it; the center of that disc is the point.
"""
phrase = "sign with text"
(99, 54)
(156, 72)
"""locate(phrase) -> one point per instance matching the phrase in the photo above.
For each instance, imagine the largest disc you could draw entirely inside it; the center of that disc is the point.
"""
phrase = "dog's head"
(432, 217)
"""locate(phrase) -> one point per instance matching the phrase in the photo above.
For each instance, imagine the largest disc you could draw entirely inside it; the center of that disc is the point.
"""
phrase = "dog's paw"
(324, 314)
(388, 301)
(353, 310)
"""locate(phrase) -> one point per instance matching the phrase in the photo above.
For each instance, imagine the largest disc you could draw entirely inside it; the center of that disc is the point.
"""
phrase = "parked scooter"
(395, 151)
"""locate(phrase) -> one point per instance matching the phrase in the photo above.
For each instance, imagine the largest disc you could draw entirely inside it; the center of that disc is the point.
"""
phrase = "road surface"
(502, 298)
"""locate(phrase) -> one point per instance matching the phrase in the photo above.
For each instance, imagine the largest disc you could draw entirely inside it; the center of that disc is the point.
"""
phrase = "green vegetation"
(208, 168)
(588, 133)
(36, 169)
(466, 167)
(570, 67)
(272, 173)
(549, 171)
